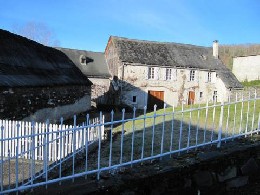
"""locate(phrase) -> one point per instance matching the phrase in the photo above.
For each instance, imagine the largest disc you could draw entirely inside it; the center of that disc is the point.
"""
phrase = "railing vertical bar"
(46, 152)
(197, 127)
(111, 139)
(154, 117)
(181, 126)
(163, 130)
(247, 114)
(213, 122)
(133, 136)
(122, 136)
(2, 157)
(60, 145)
(73, 147)
(220, 125)
(172, 131)
(189, 129)
(235, 114)
(144, 127)
(99, 146)
(241, 114)
(258, 126)
(206, 120)
(16, 169)
(253, 117)
(9, 169)
(86, 144)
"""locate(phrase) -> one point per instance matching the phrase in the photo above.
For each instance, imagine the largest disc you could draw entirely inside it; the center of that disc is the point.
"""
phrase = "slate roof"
(154, 53)
(96, 65)
(24, 62)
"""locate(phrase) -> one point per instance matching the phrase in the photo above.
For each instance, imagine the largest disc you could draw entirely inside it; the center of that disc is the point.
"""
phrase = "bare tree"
(38, 32)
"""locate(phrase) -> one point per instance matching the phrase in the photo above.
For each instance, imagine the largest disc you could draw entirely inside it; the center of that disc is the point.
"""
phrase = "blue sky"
(87, 24)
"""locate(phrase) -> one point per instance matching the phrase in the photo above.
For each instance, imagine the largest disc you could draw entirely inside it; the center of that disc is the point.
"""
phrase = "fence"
(169, 131)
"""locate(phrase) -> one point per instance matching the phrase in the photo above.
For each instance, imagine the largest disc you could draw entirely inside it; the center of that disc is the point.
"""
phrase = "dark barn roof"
(24, 62)
(96, 65)
(172, 54)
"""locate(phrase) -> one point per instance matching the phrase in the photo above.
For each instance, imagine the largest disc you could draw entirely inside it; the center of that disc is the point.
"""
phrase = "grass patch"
(255, 83)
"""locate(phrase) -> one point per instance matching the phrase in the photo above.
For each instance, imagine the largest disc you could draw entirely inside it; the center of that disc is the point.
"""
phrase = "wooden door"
(155, 97)
(191, 98)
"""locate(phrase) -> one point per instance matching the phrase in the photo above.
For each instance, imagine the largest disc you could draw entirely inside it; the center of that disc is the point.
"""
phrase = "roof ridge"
(157, 42)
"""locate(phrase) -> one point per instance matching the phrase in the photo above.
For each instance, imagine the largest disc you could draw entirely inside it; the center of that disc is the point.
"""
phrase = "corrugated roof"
(24, 62)
(96, 67)
(172, 54)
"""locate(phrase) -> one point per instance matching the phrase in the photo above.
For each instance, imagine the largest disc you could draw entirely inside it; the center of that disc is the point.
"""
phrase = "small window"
(215, 96)
(168, 75)
(82, 60)
(201, 94)
(151, 73)
(209, 77)
(134, 99)
(192, 75)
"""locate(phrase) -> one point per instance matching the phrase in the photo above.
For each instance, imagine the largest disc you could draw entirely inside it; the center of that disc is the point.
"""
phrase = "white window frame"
(192, 75)
(151, 73)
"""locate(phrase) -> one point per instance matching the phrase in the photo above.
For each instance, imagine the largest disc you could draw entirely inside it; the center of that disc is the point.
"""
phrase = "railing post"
(220, 125)
(154, 117)
(133, 136)
(2, 157)
(122, 136)
(181, 128)
(73, 147)
(172, 130)
(111, 139)
(206, 120)
(163, 130)
(253, 117)
(86, 144)
(60, 144)
(142, 154)
(99, 147)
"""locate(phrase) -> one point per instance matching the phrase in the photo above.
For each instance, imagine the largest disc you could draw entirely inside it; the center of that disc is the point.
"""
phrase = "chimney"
(215, 49)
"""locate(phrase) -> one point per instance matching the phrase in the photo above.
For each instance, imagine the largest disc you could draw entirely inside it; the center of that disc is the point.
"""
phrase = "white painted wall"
(247, 68)
(175, 91)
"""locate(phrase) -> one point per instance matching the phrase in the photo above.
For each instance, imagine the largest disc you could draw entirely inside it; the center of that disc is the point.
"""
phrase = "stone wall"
(19, 103)
(247, 68)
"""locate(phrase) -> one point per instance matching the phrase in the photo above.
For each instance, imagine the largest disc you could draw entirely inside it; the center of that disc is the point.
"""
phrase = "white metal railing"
(141, 138)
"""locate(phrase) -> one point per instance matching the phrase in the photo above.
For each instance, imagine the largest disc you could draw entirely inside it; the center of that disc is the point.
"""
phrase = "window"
(209, 77)
(201, 94)
(215, 96)
(192, 75)
(168, 75)
(151, 73)
(134, 99)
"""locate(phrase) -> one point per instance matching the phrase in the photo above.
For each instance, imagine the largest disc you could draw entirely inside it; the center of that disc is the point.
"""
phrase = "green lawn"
(255, 83)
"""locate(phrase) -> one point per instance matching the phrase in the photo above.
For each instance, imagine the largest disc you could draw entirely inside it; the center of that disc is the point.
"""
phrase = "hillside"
(227, 52)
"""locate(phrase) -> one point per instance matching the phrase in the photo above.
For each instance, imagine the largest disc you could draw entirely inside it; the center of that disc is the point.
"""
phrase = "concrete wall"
(247, 68)
(175, 91)
(24, 102)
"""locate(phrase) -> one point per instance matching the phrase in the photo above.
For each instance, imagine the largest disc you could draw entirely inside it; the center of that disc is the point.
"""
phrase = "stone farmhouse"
(94, 66)
(39, 82)
(247, 68)
(156, 72)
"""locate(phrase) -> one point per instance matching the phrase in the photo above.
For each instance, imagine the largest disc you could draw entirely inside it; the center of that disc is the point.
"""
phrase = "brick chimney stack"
(215, 49)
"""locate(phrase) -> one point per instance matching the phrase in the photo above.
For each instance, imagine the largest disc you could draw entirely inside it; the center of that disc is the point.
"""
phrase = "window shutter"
(174, 75)
(164, 73)
(146, 71)
(156, 73)
(213, 77)
(206, 77)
